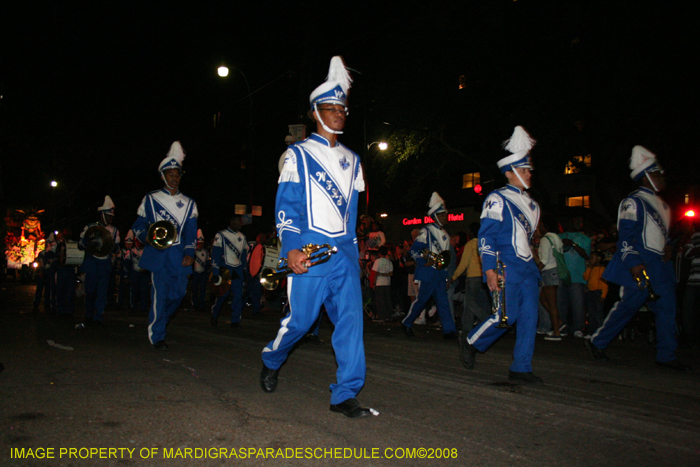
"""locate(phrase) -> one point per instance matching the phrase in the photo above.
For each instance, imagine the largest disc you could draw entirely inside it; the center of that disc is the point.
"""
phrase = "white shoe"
(419, 321)
(578, 334)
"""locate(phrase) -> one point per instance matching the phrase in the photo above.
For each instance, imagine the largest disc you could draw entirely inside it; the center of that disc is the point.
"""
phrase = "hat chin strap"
(165, 180)
(319, 119)
(646, 174)
(527, 187)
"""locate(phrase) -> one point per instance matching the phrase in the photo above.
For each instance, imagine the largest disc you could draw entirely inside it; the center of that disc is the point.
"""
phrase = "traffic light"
(477, 189)
(689, 213)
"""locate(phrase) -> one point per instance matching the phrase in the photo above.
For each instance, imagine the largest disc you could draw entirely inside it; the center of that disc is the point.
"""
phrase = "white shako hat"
(108, 206)
(174, 159)
(200, 236)
(436, 204)
(335, 89)
(519, 145)
(642, 161)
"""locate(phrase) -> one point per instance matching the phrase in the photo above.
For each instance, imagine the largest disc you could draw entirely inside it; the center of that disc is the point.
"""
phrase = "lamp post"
(54, 184)
(382, 145)
(223, 72)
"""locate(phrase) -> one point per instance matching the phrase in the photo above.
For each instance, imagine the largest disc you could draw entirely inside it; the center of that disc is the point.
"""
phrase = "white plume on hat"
(108, 205)
(335, 89)
(641, 160)
(436, 204)
(174, 159)
(519, 145)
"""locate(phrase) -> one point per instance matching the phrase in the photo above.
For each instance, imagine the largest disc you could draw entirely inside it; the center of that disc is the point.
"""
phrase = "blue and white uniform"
(643, 223)
(432, 281)
(317, 203)
(230, 251)
(168, 275)
(508, 221)
(97, 271)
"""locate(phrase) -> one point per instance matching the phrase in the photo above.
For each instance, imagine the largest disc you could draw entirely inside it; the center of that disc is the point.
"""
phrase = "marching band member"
(169, 266)
(508, 221)
(200, 269)
(317, 204)
(432, 282)
(229, 251)
(97, 264)
(643, 248)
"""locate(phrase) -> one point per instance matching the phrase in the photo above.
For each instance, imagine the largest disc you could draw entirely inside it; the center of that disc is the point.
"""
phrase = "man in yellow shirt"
(597, 290)
(475, 301)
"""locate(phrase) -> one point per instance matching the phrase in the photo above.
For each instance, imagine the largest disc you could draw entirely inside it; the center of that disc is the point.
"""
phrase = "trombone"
(498, 297)
(270, 279)
(440, 260)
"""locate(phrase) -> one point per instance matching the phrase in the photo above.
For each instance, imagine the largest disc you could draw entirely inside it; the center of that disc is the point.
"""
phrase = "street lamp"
(382, 145)
(223, 72)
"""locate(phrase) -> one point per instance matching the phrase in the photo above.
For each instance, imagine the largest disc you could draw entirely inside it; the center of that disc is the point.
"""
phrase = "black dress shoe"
(450, 336)
(408, 331)
(524, 377)
(235, 325)
(674, 365)
(268, 379)
(350, 408)
(467, 355)
(160, 345)
(214, 321)
(596, 353)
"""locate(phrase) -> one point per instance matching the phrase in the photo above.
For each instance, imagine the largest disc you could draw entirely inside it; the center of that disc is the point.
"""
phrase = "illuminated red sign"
(428, 220)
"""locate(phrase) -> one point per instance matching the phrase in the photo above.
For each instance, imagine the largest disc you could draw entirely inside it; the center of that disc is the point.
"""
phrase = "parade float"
(24, 240)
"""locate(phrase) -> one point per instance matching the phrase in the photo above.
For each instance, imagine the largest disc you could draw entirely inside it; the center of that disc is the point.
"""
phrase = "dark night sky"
(93, 94)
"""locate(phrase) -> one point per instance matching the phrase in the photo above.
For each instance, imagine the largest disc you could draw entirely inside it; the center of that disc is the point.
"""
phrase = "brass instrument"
(100, 241)
(652, 295)
(270, 279)
(498, 297)
(161, 234)
(224, 285)
(440, 260)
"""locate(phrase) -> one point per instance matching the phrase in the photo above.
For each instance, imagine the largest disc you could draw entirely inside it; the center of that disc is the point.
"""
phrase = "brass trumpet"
(441, 260)
(498, 298)
(161, 234)
(270, 279)
(652, 295)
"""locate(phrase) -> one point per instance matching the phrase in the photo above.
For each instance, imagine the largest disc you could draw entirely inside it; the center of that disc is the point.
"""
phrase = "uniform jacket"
(435, 239)
(643, 221)
(229, 249)
(508, 220)
(317, 199)
(182, 212)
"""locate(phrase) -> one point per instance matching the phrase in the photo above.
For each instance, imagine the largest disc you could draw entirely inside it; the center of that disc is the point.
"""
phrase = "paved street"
(107, 388)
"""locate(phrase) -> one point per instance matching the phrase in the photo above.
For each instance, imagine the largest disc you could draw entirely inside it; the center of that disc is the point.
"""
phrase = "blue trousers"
(631, 299)
(340, 293)
(198, 290)
(43, 287)
(97, 274)
(436, 287)
(65, 290)
(236, 291)
(571, 302)
(255, 289)
(167, 292)
(521, 307)
(140, 290)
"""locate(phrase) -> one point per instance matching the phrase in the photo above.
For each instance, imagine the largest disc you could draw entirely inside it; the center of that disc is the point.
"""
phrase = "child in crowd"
(597, 290)
(380, 281)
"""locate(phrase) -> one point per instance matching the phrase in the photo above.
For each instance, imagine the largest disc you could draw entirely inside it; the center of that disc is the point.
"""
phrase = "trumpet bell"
(161, 235)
